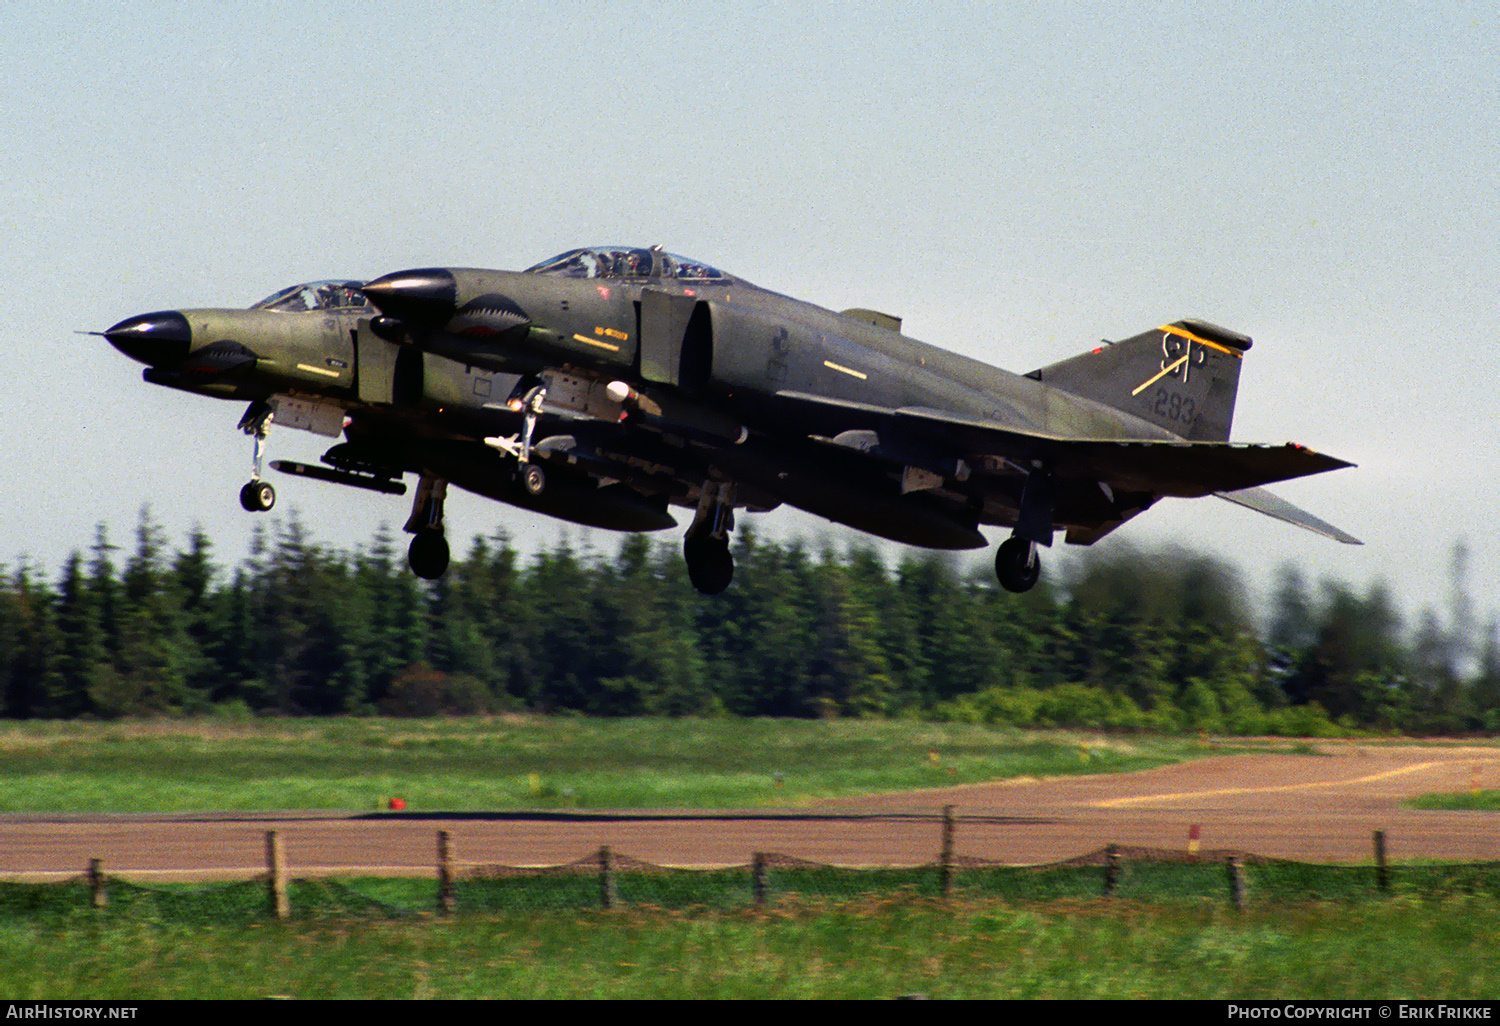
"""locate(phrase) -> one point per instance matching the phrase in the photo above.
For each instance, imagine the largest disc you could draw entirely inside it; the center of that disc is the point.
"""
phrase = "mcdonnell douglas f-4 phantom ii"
(605, 386)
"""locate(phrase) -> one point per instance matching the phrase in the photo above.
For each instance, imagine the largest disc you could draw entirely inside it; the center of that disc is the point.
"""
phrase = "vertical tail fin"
(1182, 376)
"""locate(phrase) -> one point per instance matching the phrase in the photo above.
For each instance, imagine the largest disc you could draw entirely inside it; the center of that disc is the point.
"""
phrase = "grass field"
(524, 762)
(1478, 801)
(855, 948)
(1319, 933)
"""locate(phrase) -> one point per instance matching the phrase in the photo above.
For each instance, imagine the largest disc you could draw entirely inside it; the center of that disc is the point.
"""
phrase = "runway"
(1320, 808)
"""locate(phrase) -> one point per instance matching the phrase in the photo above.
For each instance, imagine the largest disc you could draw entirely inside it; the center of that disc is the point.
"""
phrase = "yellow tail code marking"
(1164, 372)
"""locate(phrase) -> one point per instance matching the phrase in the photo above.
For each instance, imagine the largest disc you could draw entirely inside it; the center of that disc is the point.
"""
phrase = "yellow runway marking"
(1115, 803)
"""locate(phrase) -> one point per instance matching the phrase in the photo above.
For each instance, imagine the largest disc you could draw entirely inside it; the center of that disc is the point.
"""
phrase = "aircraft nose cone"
(155, 339)
(427, 296)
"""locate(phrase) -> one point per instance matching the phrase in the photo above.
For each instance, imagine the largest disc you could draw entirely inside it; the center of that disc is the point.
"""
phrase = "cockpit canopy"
(315, 295)
(629, 262)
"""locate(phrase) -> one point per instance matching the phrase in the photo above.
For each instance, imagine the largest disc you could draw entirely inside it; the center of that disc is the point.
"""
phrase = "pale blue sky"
(1015, 180)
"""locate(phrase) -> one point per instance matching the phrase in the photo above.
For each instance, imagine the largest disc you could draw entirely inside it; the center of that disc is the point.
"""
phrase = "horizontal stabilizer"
(1263, 501)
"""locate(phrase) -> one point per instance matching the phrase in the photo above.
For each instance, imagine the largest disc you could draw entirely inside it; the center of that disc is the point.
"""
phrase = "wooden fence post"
(276, 876)
(445, 897)
(1382, 870)
(759, 885)
(608, 897)
(945, 874)
(96, 883)
(1236, 870)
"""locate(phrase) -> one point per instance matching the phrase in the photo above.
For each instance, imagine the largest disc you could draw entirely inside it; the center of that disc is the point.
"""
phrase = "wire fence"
(607, 879)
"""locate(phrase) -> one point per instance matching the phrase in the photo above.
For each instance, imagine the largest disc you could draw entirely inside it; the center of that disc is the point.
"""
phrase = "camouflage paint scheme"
(607, 385)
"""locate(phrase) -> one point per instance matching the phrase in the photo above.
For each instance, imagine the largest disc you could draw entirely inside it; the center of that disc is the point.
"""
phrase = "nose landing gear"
(257, 496)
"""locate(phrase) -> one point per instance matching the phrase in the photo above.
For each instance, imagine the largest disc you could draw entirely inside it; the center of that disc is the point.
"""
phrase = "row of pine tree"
(1122, 640)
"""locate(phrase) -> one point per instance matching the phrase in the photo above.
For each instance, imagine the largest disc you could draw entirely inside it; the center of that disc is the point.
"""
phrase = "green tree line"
(1123, 640)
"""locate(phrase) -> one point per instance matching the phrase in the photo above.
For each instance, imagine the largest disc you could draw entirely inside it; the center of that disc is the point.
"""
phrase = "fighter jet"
(607, 385)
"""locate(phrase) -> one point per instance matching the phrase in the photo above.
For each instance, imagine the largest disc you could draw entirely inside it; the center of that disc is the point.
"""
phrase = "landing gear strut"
(257, 496)
(705, 547)
(428, 555)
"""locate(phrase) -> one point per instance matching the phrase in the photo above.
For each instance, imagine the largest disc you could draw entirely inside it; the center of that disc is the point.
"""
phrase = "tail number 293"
(1174, 406)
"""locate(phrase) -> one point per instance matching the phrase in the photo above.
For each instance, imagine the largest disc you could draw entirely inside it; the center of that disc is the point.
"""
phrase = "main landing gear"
(528, 474)
(1017, 564)
(705, 547)
(257, 496)
(428, 555)
(532, 478)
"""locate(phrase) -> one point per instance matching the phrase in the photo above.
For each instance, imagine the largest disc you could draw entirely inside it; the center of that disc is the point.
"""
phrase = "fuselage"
(730, 340)
(642, 380)
(758, 342)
